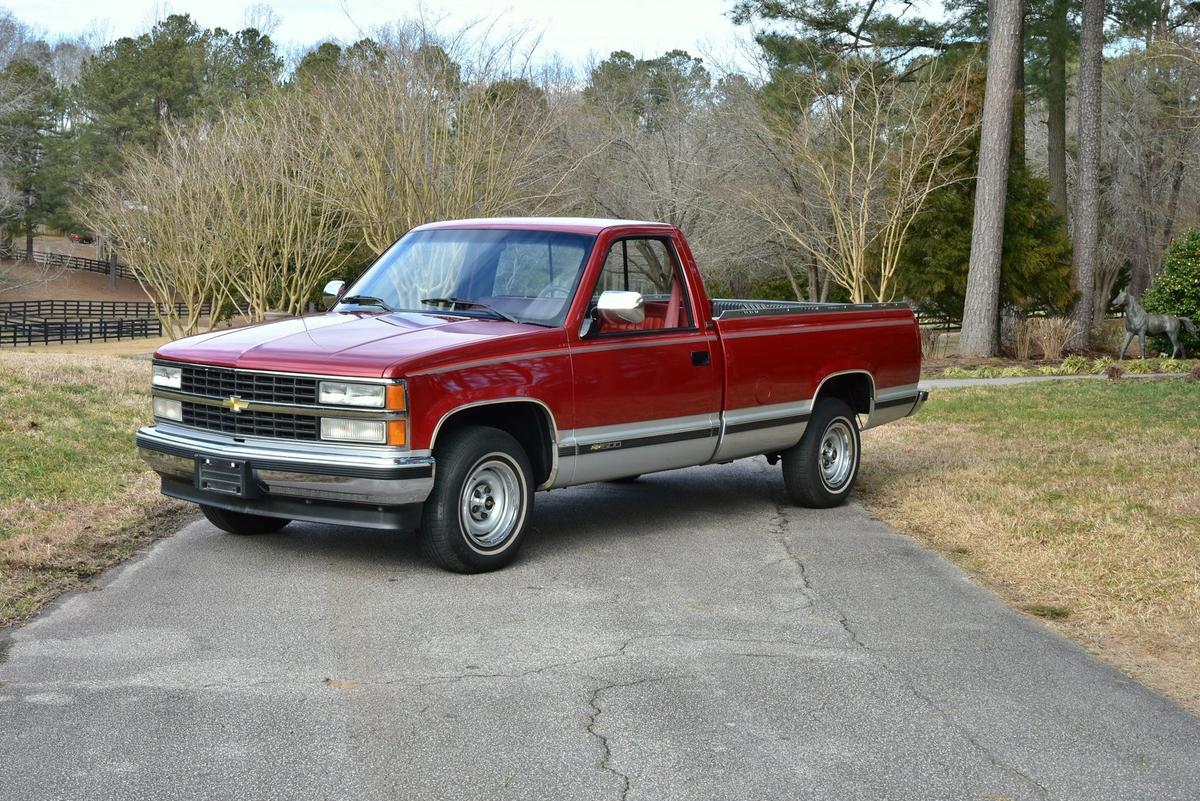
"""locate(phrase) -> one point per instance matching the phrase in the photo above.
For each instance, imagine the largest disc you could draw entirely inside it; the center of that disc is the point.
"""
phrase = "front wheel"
(820, 471)
(482, 501)
(242, 522)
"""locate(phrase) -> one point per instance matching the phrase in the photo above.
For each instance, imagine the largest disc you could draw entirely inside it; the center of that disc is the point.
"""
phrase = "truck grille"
(250, 423)
(221, 382)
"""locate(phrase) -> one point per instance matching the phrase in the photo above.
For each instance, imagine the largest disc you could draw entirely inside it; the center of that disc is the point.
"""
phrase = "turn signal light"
(397, 432)
(397, 399)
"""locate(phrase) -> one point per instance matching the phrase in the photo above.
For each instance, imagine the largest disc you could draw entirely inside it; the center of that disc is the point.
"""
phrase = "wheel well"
(528, 422)
(853, 388)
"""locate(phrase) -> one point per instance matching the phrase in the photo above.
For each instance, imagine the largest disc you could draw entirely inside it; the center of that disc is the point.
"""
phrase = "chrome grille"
(251, 423)
(221, 382)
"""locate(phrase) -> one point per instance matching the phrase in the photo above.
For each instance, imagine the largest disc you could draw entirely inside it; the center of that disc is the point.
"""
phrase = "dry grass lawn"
(74, 498)
(1078, 502)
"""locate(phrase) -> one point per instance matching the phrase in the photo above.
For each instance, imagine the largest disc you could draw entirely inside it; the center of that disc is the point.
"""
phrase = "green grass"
(1048, 611)
(73, 493)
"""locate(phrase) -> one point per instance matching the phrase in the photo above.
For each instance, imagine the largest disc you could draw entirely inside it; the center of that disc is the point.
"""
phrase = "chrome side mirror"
(333, 290)
(621, 307)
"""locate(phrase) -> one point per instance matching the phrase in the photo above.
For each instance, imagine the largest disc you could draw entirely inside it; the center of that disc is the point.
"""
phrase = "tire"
(242, 523)
(624, 479)
(482, 501)
(820, 471)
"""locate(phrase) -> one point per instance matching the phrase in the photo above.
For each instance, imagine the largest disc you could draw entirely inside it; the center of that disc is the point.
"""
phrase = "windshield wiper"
(470, 304)
(367, 300)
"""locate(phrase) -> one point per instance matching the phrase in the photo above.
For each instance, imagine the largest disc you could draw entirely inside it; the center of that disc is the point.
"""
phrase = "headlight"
(342, 393)
(374, 431)
(168, 409)
(169, 377)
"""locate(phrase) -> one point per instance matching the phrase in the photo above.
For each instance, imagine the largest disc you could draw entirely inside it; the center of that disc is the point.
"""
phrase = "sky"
(573, 29)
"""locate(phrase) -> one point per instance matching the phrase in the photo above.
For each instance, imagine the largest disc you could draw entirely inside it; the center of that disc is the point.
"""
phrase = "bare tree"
(421, 135)
(281, 193)
(1151, 141)
(1087, 202)
(262, 18)
(672, 147)
(163, 216)
(981, 312)
(281, 235)
(870, 150)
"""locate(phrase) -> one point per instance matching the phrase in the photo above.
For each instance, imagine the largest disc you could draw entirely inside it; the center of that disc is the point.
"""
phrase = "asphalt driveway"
(685, 637)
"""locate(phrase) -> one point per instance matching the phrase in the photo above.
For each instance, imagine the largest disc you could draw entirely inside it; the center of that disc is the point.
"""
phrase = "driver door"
(647, 395)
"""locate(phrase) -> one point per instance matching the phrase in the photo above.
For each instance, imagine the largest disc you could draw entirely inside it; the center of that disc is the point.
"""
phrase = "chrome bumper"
(315, 472)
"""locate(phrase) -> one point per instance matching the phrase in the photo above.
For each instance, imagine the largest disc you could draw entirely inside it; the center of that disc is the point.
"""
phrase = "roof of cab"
(575, 225)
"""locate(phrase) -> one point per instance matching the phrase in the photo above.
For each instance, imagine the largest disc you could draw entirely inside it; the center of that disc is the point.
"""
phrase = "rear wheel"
(821, 470)
(482, 501)
(242, 522)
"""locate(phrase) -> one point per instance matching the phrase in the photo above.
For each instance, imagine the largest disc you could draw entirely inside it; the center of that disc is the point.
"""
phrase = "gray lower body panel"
(628, 449)
(895, 403)
(762, 429)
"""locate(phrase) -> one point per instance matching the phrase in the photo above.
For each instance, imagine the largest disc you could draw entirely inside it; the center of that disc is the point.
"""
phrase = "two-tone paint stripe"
(736, 421)
(772, 422)
(775, 415)
(896, 396)
(628, 443)
(626, 436)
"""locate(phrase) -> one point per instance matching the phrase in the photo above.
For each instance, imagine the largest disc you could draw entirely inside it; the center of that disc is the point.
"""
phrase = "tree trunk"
(1087, 200)
(1017, 144)
(1172, 212)
(29, 243)
(1056, 107)
(981, 310)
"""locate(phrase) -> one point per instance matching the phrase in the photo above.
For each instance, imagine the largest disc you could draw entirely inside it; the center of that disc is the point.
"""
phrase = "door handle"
(701, 358)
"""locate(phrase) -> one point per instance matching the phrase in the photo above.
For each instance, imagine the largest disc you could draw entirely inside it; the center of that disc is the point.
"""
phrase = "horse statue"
(1139, 323)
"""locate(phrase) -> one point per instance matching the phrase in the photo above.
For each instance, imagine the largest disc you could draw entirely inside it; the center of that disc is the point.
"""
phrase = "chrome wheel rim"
(836, 457)
(491, 501)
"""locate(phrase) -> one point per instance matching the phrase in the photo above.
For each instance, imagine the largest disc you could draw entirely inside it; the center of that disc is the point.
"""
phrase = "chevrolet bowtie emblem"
(235, 404)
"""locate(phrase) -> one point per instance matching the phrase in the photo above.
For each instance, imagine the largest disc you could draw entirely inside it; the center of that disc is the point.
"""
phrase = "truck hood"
(343, 343)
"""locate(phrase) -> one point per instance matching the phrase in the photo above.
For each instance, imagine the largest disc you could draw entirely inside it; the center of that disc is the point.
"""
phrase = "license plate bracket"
(226, 476)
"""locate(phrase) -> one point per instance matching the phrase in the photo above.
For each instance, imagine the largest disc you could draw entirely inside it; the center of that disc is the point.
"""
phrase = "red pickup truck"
(477, 361)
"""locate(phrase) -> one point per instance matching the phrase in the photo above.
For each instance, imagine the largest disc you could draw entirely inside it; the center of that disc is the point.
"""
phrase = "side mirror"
(621, 307)
(333, 290)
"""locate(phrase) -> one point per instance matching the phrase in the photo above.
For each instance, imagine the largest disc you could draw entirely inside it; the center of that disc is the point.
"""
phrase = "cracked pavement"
(688, 636)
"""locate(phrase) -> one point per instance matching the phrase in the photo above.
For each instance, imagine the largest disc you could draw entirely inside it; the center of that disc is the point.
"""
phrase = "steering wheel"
(553, 291)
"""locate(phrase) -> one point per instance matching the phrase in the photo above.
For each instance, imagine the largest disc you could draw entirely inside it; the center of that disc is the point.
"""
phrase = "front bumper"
(367, 486)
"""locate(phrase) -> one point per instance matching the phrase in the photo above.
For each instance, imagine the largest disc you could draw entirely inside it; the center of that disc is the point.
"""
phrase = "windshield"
(529, 276)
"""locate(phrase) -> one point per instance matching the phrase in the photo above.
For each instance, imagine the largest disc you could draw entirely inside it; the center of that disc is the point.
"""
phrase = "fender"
(554, 438)
(867, 373)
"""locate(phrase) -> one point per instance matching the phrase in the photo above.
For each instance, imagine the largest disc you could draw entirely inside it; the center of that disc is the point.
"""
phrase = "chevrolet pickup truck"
(478, 361)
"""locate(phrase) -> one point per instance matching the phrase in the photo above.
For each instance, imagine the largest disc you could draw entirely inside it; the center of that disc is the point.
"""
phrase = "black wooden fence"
(47, 332)
(46, 322)
(20, 311)
(72, 262)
